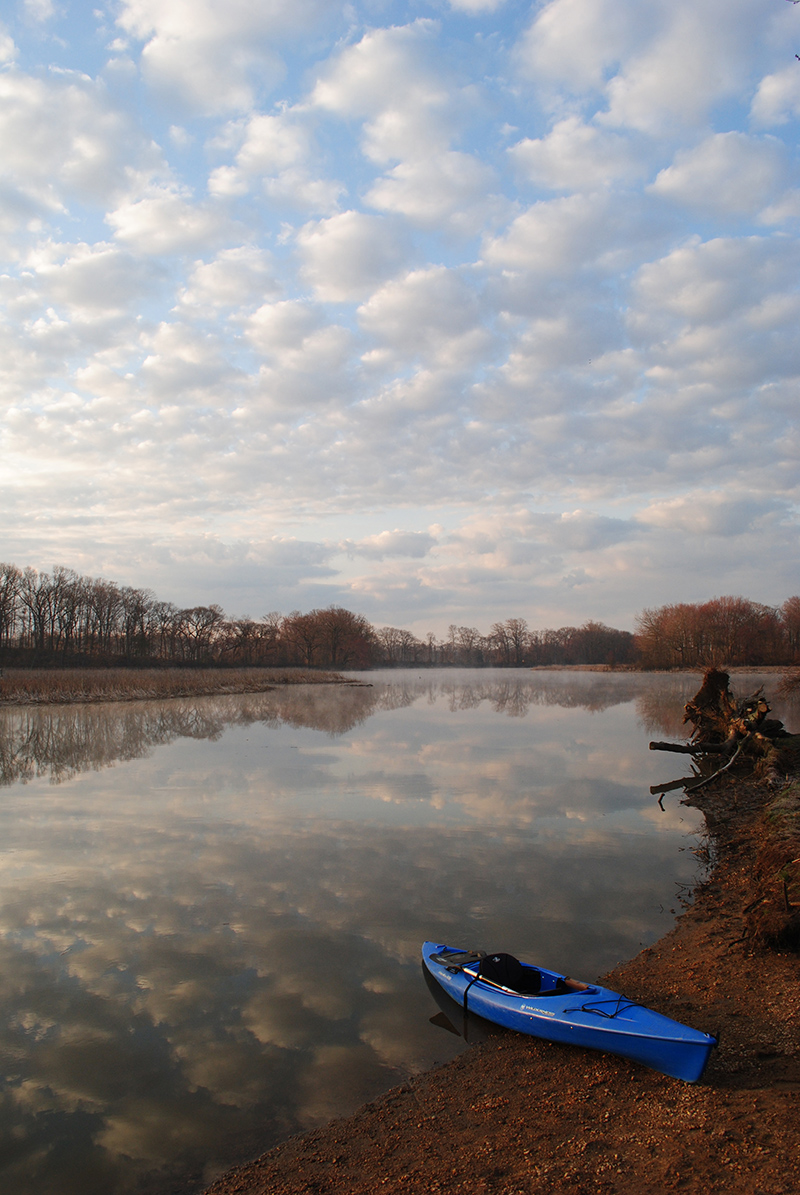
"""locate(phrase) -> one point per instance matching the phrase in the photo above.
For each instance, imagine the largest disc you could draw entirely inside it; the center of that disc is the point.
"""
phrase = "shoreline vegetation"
(513, 1114)
(63, 619)
(45, 686)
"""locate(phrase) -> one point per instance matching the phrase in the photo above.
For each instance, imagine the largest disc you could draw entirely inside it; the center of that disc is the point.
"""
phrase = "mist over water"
(211, 911)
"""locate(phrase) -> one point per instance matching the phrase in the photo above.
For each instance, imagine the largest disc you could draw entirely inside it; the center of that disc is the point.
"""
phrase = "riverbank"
(66, 686)
(515, 1115)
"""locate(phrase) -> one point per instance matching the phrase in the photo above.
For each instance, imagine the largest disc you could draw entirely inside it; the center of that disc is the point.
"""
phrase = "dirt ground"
(518, 1116)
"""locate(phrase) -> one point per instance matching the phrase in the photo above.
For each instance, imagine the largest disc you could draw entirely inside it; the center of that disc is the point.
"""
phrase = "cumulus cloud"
(278, 152)
(777, 99)
(214, 55)
(346, 256)
(433, 314)
(577, 156)
(431, 181)
(708, 281)
(8, 51)
(166, 221)
(388, 78)
(296, 339)
(556, 236)
(576, 44)
(712, 513)
(727, 174)
(413, 544)
(234, 278)
(92, 280)
(61, 138)
(429, 190)
(657, 67)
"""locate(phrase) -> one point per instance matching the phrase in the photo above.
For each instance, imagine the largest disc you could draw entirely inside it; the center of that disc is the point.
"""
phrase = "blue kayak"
(544, 1004)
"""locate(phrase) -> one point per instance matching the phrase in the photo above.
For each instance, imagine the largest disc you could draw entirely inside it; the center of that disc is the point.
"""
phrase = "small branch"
(724, 768)
(673, 784)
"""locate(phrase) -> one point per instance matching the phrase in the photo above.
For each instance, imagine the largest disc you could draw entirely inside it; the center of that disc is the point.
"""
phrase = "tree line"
(726, 630)
(64, 618)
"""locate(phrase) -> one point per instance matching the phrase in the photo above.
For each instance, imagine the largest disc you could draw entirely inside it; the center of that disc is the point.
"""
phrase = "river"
(211, 910)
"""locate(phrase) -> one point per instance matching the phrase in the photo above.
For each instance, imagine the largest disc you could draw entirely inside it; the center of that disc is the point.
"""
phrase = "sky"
(445, 311)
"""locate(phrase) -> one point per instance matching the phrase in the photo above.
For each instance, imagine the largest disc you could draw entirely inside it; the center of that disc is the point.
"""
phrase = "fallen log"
(692, 748)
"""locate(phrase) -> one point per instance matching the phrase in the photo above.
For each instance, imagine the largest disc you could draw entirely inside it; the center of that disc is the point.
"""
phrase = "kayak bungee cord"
(623, 1004)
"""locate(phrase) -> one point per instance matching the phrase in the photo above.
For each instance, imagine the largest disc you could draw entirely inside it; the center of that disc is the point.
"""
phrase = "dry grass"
(46, 686)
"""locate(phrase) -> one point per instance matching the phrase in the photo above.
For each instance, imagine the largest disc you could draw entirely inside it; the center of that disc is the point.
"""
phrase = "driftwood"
(717, 718)
(720, 726)
(691, 748)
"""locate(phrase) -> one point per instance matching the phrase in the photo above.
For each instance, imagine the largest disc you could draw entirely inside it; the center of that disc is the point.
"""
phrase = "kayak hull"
(597, 1018)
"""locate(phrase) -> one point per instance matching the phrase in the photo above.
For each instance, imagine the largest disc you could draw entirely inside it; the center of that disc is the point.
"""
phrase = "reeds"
(34, 686)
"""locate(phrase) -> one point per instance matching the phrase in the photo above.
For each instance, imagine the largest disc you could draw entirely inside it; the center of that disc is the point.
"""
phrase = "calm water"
(211, 911)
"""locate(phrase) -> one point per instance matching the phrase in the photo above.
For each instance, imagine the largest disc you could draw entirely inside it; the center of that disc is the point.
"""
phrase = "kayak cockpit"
(504, 971)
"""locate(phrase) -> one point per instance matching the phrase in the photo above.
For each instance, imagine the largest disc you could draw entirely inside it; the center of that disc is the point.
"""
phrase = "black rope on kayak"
(623, 1004)
(466, 989)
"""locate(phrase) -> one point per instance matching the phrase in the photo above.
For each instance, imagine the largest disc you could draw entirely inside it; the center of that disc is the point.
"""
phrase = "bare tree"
(10, 581)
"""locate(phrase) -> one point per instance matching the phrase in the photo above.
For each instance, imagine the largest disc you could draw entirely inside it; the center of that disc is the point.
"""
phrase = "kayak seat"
(509, 972)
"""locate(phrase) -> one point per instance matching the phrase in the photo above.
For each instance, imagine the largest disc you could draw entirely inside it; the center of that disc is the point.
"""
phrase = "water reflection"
(61, 741)
(216, 943)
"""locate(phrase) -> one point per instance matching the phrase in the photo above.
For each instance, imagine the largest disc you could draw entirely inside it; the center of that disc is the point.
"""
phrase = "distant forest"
(61, 618)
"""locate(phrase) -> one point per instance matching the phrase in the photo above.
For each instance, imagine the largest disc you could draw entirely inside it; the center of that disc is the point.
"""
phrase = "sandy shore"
(516, 1116)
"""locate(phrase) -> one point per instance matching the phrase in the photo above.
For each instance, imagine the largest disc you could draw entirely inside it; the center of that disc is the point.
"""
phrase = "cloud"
(413, 544)
(166, 221)
(428, 190)
(61, 138)
(430, 181)
(712, 513)
(691, 64)
(182, 363)
(346, 256)
(8, 51)
(475, 7)
(214, 56)
(576, 156)
(705, 282)
(389, 78)
(278, 152)
(295, 337)
(432, 314)
(93, 281)
(777, 99)
(39, 10)
(556, 236)
(658, 67)
(727, 174)
(784, 210)
(576, 44)
(234, 278)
